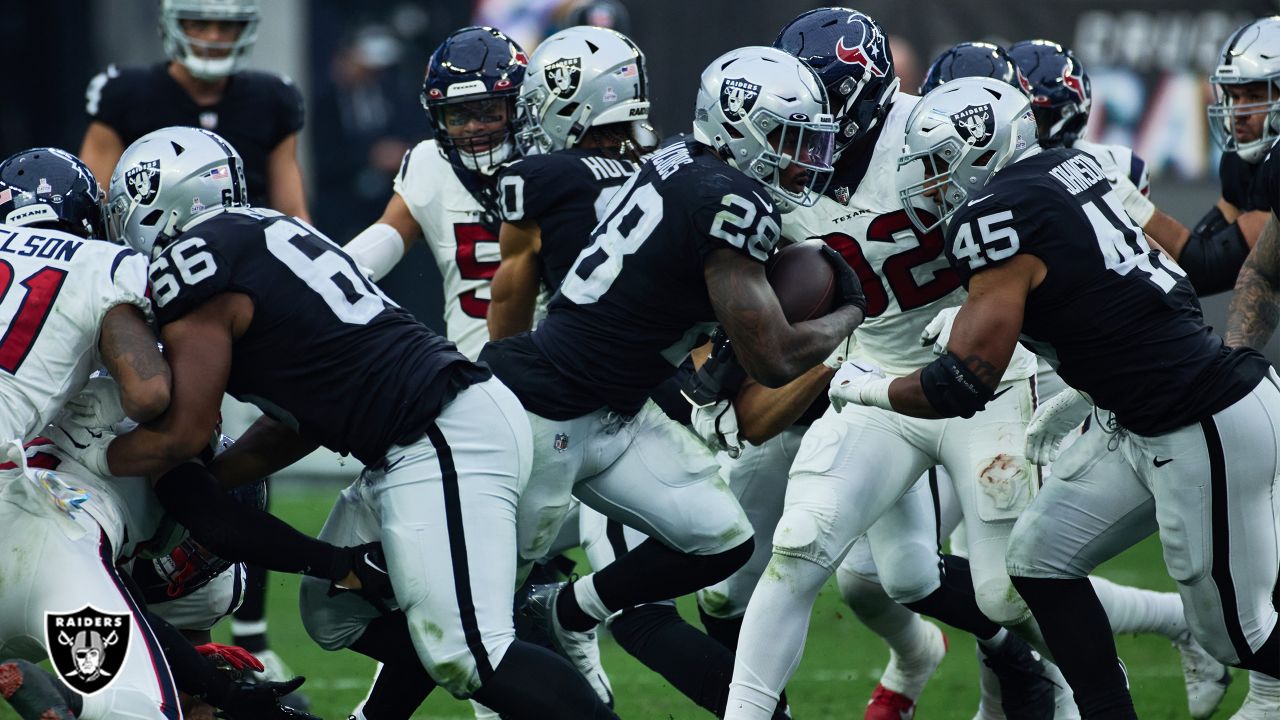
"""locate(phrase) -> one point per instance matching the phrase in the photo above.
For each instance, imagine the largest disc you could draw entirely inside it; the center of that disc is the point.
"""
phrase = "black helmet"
(48, 187)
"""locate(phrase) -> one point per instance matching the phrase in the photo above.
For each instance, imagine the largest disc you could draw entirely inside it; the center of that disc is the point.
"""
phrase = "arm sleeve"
(1214, 254)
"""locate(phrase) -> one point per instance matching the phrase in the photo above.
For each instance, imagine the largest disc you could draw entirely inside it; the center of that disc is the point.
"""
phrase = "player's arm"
(964, 380)
(380, 246)
(1255, 307)
(266, 447)
(198, 347)
(764, 412)
(771, 350)
(284, 179)
(101, 150)
(515, 286)
(132, 357)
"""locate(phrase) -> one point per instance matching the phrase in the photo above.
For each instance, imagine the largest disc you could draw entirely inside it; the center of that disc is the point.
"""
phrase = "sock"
(35, 694)
(995, 640)
(1131, 610)
(570, 613)
(696, 665)
(397, 692)
(724, 630)
(773, 635)
(534, 683)
(248, 624)
(954, 602)
(1076, 629)
(653, 572)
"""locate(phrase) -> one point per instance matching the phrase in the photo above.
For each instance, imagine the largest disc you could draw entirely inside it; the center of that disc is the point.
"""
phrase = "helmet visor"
(801, 153)
(925, 184)
(1231, 115)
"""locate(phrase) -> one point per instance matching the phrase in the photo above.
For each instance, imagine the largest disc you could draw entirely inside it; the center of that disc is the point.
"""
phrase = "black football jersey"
(1267, 184)
(566, 193)
(1118, 320)
(635, 300)
(257, 111)
(1242, 183)
(326, 352)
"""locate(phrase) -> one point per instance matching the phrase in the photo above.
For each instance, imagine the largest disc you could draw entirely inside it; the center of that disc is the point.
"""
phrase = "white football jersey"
(57, 289)
(1117, 161)
(906, 278)
(465, 248)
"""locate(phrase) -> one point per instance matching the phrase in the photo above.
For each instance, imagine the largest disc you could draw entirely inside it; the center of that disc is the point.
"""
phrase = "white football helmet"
(1250, 55)
(188, 51)
(166, 181)
(963, 132)
(577, 79)
(764, 110)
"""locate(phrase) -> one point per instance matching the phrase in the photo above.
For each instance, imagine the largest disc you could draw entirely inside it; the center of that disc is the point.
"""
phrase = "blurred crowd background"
(359, 65)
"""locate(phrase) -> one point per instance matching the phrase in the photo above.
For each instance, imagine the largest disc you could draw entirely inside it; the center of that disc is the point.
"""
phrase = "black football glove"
(261, 701)
(370, 567)
(848, 286)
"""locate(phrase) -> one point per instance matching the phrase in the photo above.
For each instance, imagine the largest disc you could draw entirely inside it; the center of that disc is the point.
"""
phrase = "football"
(803, 280)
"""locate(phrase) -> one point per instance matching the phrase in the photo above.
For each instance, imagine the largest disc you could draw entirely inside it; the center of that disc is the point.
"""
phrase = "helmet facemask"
(208, 60)
(1226, 110)
(485, 150)
(938, 192)
(790, 144)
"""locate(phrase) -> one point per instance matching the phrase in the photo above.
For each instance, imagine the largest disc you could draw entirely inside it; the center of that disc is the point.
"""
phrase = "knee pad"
(456, 673)
(798, 535)
(910, 571)
(333, 622)
(1000, 602)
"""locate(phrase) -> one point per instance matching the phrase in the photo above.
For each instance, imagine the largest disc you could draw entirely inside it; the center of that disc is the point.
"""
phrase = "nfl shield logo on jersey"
(737, 97)
(563, 76)
(87, 647)
(561, 442)
(143, 182)
(975, 124)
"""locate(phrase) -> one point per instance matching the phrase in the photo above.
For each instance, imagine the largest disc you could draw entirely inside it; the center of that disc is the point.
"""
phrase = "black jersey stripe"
(1220, 536)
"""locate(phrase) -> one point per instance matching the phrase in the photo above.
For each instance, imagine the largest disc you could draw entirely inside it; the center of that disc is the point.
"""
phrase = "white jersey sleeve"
(906, 276)
(58, 288)
(462, 240)
(1117, 161)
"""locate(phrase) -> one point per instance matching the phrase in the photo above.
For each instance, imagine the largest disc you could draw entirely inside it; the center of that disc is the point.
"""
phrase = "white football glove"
(97, 405)
(938, 332)
(717, 426)
(840, 354)
(86, 445)
(1139, 207)
(1053, 420)
(861, 383)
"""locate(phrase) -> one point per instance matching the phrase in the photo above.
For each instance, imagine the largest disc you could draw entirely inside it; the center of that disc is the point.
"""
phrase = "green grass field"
(841, 665)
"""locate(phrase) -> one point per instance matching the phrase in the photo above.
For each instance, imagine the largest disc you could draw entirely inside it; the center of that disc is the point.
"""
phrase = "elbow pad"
(376, 250)
(952, 389)
(1214, 253)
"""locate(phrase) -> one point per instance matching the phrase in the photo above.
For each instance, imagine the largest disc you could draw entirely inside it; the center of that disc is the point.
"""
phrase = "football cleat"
(1026, 692)
(889, 705)
(904, 678)
(1205, 677)
(579, 648)
(1262, 701)
(275, 670)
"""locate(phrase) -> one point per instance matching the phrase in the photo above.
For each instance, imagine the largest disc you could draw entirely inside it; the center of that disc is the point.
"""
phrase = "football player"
(682, 246)
(77, 301)
(1245, 120)
(581, 100)
(445, 190)
(1043, 243)
(263, 306)
(203, 83)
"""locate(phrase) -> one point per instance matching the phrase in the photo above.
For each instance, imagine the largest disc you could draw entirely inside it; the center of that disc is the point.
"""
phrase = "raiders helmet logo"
(563, 76)
(976, 124)
(143, 182)
(737, 97)
(88, 647)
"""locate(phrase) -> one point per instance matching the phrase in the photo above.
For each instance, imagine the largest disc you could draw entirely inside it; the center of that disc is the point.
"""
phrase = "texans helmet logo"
(143, 181)
(975, 124)
(1073, 82)
(869, 52)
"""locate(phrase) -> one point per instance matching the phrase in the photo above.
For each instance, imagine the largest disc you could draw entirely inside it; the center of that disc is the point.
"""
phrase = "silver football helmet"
(963, 132)
(764, 110)
(580, 78)
(195, 54)
(1250, 55)
(168, 179)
